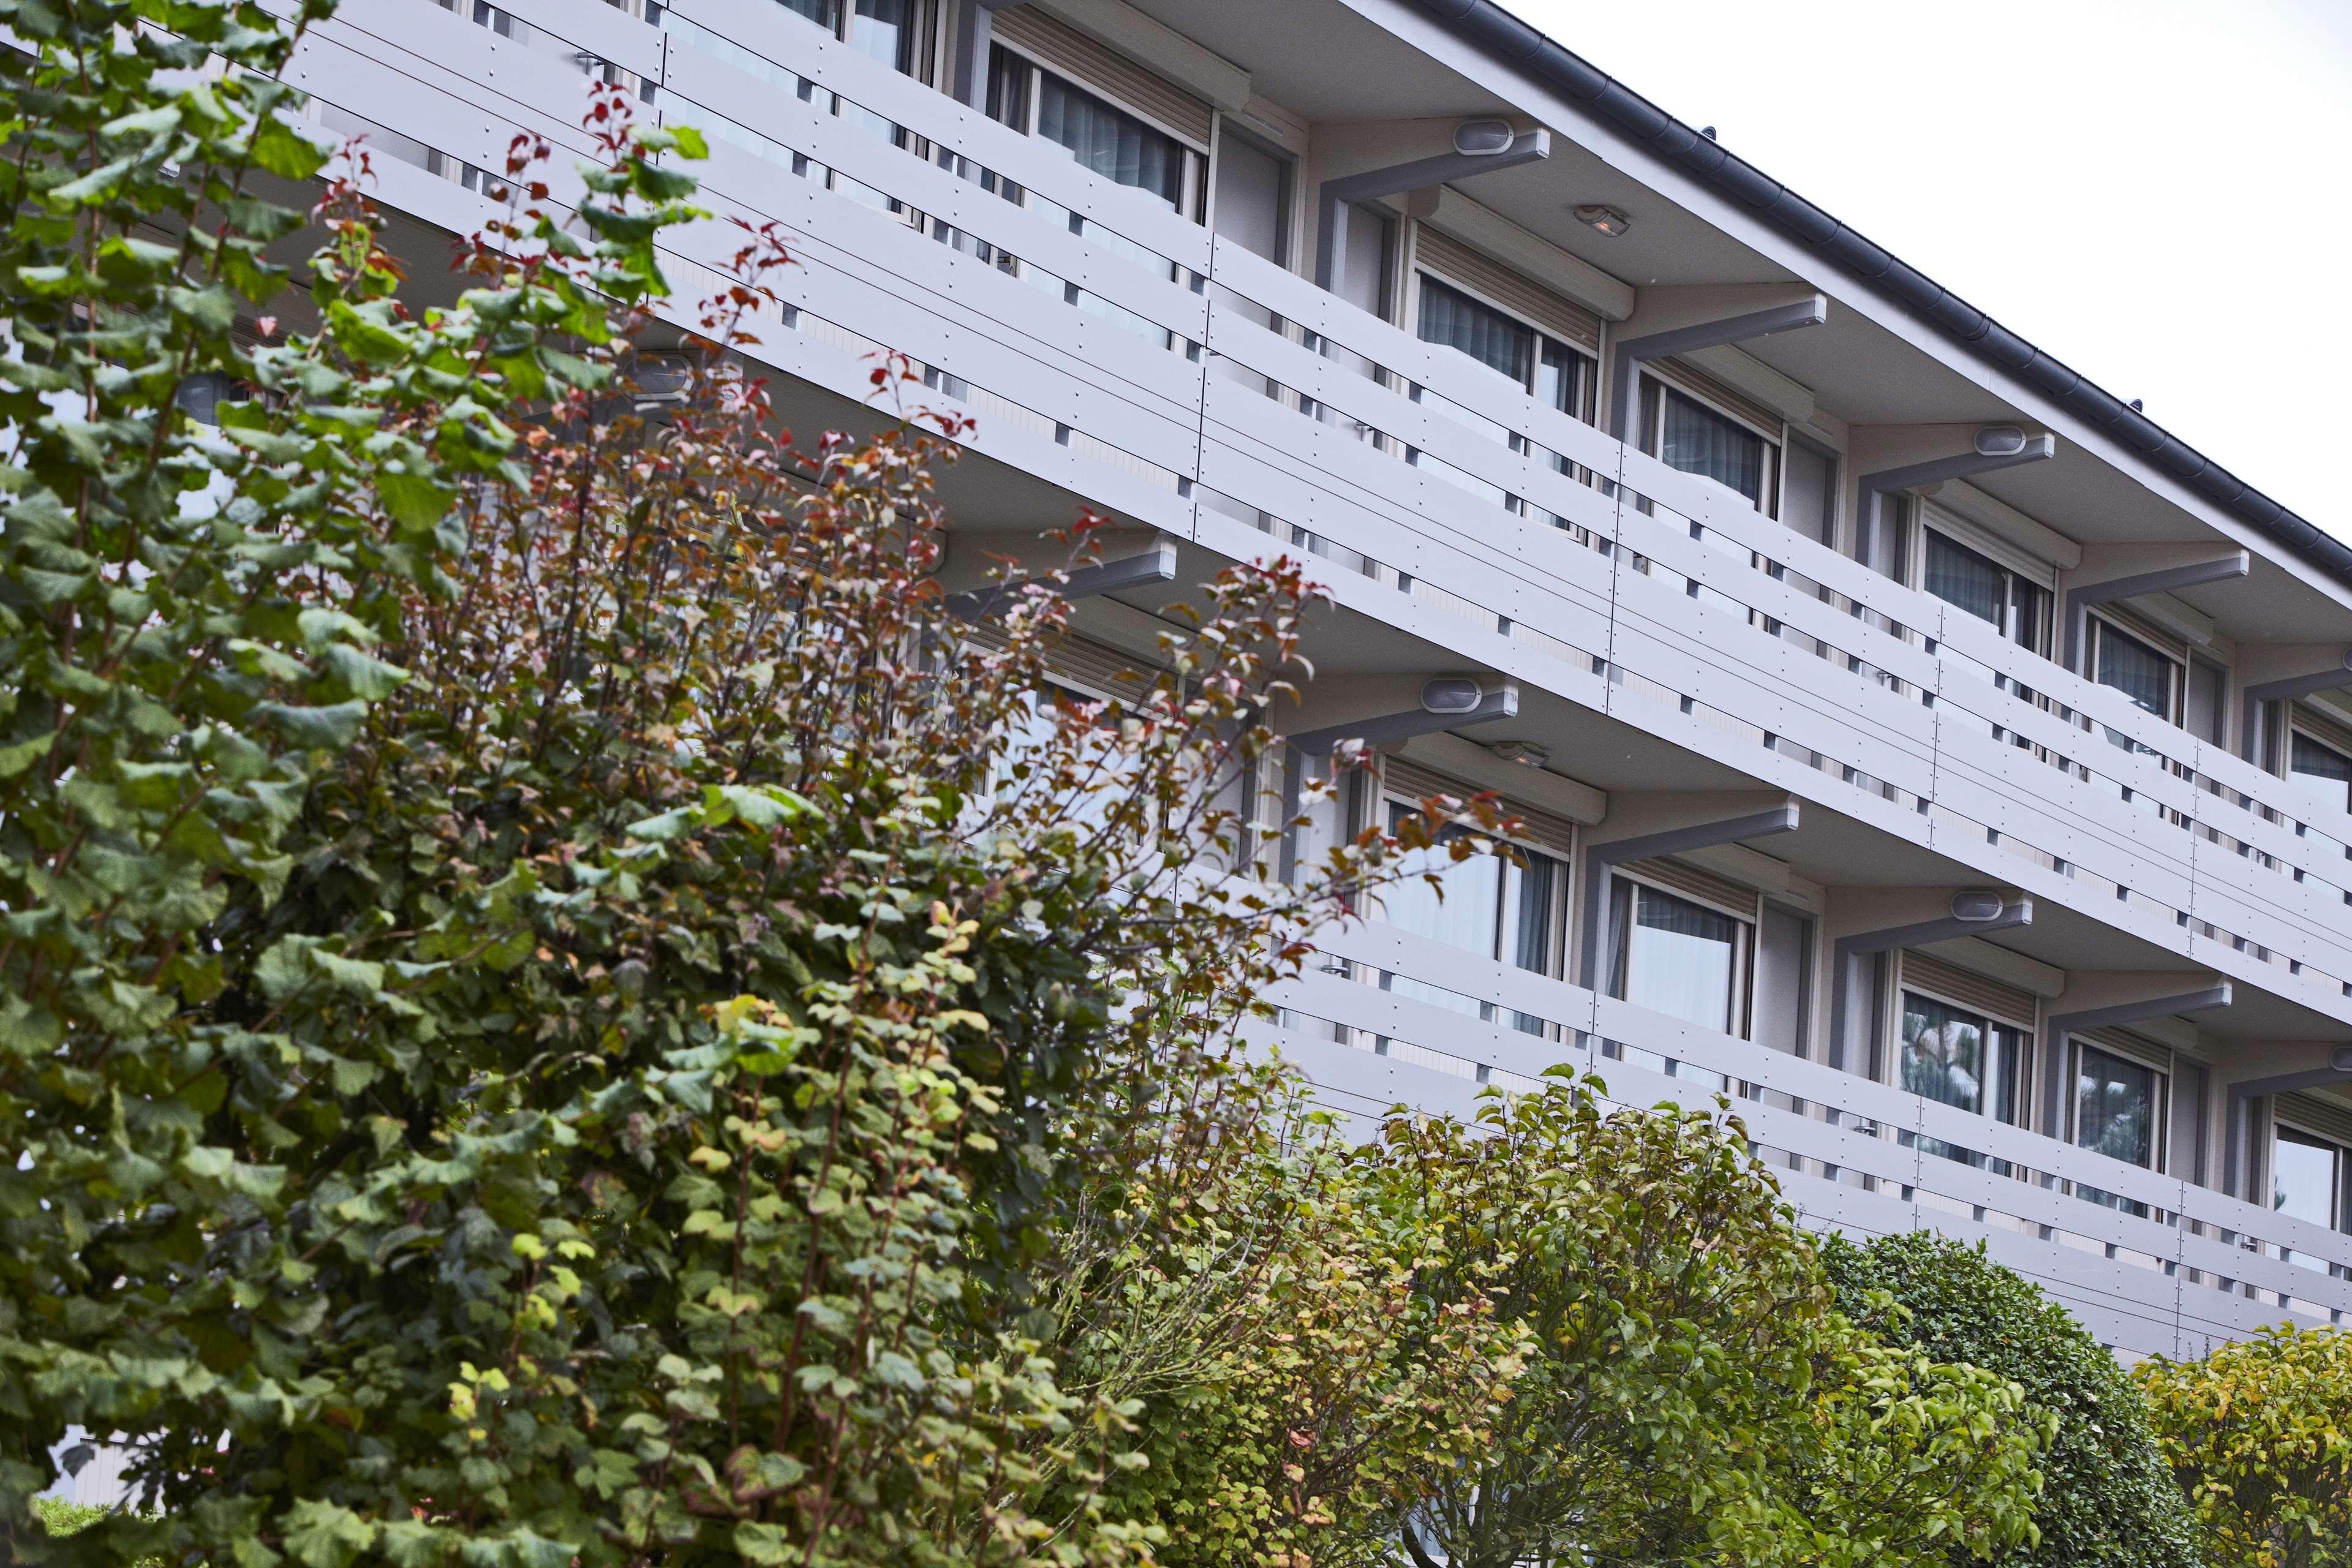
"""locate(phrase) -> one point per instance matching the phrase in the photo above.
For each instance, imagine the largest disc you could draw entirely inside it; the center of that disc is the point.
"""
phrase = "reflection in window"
(1110, 141)
(1677, 957)
(1485, 905)
(1985, 589)
(1449, 316)
(2141, 673)
(2326, 770)
(1961, 1059)
(1696, 439)
(2308, 1183)
(2119, 1107)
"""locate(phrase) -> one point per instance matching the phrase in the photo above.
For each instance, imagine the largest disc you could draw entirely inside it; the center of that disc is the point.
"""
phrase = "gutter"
(1487, 26)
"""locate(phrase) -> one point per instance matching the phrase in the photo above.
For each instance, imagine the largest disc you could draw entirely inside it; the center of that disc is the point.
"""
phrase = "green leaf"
(284, 152)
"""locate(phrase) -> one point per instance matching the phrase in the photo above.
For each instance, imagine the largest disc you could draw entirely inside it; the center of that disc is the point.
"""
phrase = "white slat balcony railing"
(2151, 1263)
(1110, 345)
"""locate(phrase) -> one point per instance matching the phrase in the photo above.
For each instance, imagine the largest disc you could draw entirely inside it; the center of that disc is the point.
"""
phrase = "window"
(1809, 493)
(2321, 769)
(1253, 196)
(1962, 1059)
(1118, 146)
(2118, 1112)
(1679, 958)
(1784, 980)
(889, 31)
(1485, 905)
(2147, 675)
(1690, 435)
(2307, 1175)
(1971, 581)
(1555, 373)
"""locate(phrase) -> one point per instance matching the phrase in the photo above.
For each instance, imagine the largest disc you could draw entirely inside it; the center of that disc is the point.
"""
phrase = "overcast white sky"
(2154, 191)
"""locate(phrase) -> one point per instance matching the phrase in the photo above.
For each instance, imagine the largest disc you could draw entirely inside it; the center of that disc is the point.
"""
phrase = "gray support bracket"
(2058, 1026)
(2238, 1126)
(973, 32)
(1886, 482)
(1631, 353)
(1868, 944)
(1376, 730)
(2259, 698)
(1156, 564)
(1334, 197)
(2080, 600)
(1600, 860)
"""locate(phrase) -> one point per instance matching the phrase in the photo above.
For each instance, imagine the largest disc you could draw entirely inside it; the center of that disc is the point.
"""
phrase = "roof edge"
(1487, 26)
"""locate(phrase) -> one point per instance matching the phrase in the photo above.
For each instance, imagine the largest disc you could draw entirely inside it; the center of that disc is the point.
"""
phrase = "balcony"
(1113, 350)
(2150, 1264)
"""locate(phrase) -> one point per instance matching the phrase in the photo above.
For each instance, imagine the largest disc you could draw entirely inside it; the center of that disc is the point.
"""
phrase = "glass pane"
(1944, 1053)
(817, 11)
(1698, 440)
(2115, 1108)
(886, 30)
(1961, 577)
(1250, 197)
(1809, 492)
(1681, 960)
(2137, 670)
(1450, 317)
(1563, 380)
(1110, 141)
(2325, 770)
(2305, 1176)
(1784, 965)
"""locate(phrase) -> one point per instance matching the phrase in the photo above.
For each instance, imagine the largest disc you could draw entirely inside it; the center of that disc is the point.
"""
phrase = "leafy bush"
(1690, 1393)
(555, 1007)
(2259, 1434)
(2108, 1498)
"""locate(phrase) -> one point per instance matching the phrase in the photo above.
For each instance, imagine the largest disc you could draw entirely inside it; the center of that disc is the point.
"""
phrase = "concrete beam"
(1873, 487)
(2238, 1148)
(1428, 717)
(2105, 578)
(1632, 353)
(2102, 999)
(1735, 817)
(2260, 694)
(1964, 912)
(1334, 197)
(1156, 564)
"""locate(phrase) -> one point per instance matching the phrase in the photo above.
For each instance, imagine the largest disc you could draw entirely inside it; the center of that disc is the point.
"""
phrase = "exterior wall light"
(1608, 220)
(2000, 441)
(1526, 753)
(1450, 694)
(1977, 904)
(1483, 138)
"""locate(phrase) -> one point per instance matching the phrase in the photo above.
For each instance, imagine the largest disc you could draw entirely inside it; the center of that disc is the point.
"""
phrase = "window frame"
(2158, 1062)
(1563, 862)
(1194, 204)
(2020, 1092)
(1588, 362)
(1650, 402)
(2101, 627)
(1932, 523)
(1743, 978)
(2340, 1197)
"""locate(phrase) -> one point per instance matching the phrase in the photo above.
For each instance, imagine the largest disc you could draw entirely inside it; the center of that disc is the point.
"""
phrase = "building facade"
(1912, 742)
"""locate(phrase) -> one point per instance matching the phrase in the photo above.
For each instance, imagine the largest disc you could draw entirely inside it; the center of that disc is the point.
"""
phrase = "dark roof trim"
(1490, 27)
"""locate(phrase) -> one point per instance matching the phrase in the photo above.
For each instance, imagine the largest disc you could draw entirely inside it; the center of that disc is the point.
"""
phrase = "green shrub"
(2259, 1435)
(2108, 1498)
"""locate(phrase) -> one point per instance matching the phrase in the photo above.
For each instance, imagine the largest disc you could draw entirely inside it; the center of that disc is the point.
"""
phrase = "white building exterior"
(1915, 743)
